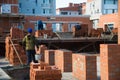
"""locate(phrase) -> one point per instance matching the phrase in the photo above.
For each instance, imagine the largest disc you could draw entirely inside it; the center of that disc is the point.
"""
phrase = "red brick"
(84, 66)
(50, 57)
(109, 59)
(63, 60)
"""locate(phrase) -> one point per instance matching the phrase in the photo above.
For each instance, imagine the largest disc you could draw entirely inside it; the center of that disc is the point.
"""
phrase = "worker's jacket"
(29, 42)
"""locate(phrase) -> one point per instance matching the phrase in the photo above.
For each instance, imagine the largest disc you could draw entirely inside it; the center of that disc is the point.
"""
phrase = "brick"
(84, 66)
(63, 60)
(48, 73)
(109, 59)
(50, 57)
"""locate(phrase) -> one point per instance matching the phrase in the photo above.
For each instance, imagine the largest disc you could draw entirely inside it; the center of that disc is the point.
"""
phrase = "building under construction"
(74, 53)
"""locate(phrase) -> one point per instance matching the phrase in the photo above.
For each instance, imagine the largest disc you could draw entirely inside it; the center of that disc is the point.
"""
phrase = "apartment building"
(97, 8)
(72, 9)
(37, 7)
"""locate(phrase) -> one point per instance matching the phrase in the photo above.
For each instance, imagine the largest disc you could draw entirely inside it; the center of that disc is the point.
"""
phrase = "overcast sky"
(65, 3)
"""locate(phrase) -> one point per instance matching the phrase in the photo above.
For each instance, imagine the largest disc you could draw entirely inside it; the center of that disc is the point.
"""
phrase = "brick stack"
(109, 59)
(83, 31)
(7, 48)
(41, 51)
(16, 33)
(50, 57)
(84, 66)
(63, 60)
(42, 71)
(14, 60)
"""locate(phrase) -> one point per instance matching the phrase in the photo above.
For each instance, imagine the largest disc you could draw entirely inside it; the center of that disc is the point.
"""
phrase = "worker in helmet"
(29, 42)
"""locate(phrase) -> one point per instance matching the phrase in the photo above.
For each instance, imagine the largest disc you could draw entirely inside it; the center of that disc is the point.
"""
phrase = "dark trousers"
(30, 56)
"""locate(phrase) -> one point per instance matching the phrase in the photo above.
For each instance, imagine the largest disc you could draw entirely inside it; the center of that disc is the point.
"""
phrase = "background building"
(37, 7)
(96, 8)
(72, 9)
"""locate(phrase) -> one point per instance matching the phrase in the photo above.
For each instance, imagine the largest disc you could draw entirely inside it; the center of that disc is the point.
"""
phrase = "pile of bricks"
(14, 60)
(40, 33)
(7, 47)
(110, 61)
(50, 57)
(115, 31)
(95, 33)
(63, 60)
(42, 71)
(84, 66)
(16, 33)
(41, 51)
(83, 31)
(11, 54)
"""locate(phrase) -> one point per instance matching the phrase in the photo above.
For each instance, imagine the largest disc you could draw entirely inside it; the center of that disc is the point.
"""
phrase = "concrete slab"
(3, 75)
(68, 76)
(4, 62)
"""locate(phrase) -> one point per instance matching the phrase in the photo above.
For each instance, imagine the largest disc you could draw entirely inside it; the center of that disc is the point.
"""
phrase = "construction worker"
(29, 43)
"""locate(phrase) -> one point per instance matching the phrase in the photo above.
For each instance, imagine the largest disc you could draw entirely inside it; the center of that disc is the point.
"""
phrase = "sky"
(65, 3)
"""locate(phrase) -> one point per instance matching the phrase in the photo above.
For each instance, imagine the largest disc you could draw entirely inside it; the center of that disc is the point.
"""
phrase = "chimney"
(76, 5)
(70, 4)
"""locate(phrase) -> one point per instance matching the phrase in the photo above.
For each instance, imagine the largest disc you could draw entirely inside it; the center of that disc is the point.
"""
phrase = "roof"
(69, 9)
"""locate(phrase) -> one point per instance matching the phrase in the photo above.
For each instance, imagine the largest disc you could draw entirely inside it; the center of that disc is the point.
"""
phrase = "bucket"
(38, 57)
(45, 36)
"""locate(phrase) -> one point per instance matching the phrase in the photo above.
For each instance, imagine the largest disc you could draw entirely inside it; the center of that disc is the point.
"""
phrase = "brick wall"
(84, 66)
(9, 1)
(108, 19)
(50, 57)
(16, 33)
(109, 59)
(63, 60)
(13, 57)
(82, 19)
(65, 27)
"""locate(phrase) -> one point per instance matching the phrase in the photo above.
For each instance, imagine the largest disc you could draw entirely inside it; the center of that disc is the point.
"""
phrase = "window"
(20, 5)
(110, 1)
(43, 11)
(43, 1)
(110, 11)
(115, 2)
(33, 11)
(50, 1)
(36, 2)
(64, 13)
(70, 13)
(110, 26)
(44, 26)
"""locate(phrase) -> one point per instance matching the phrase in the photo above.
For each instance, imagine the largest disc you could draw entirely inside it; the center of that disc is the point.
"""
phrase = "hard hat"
(29, 30)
